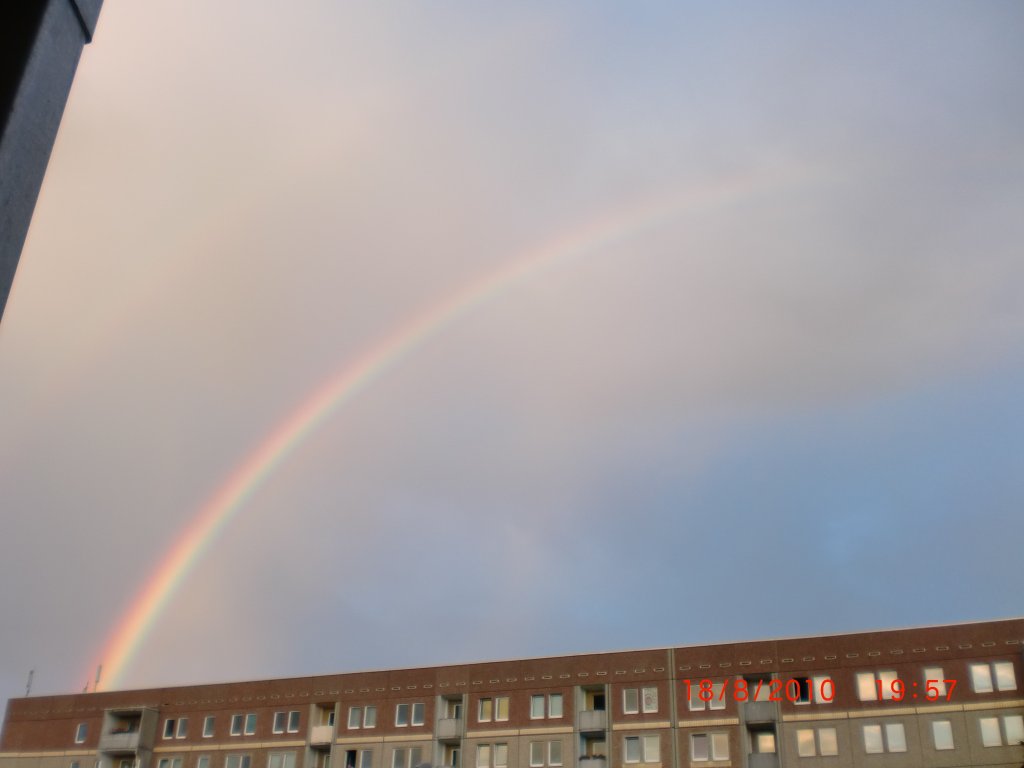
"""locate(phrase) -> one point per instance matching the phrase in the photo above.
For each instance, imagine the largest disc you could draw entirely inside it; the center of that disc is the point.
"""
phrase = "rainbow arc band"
(356, 375)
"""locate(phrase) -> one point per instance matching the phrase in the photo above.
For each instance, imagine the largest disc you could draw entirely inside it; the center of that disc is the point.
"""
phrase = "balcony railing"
(763, 760)
(449, 728)
(119, 741)
(759, 712)
(593, 720)
(593, 762)
(321, 734)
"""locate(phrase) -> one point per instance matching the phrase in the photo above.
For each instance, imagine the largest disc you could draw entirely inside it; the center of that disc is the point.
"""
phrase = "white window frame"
(938, 681)
(251, 723)
(717, 697)
(283, 759)
(886, 738)
(237, 724)
(885, 676)
(649, 699)
(418, 713)
(355, 718)
(182, 730)
(538, 706)
(402, 712)
(238, 760)
(203, 761)
(209, 726)
(370, 716)
(555, 745)
(552, 698)
(365, 758)
(631, 744)
(280, 721)
(714, 739)
(491, 755)
(295, 720)
(169, 725)
(998, 676)
(630, 707)
(81, 733)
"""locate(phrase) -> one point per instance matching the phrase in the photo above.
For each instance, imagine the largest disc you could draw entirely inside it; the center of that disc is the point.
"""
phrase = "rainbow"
(351, 379)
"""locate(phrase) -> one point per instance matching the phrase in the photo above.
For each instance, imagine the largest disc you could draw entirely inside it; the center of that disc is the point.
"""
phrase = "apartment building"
(935, 696)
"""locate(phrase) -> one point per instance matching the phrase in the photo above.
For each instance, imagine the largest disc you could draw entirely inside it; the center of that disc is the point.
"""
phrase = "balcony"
(593, 762)
(764, 759)
(120, 741)
(593, 720)
(321, 734)
(753, 712)
(449, 728)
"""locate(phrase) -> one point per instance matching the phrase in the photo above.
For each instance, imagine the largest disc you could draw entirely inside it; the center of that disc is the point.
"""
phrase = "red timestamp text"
(821, 690)
(793, 690)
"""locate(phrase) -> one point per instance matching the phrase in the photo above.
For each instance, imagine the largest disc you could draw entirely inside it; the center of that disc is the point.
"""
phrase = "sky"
(663, 323)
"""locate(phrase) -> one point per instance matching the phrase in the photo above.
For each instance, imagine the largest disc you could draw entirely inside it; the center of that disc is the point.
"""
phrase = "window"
(169, 728)
(649, 701)
(366, 758)
(545, 753)
(203, 761)
(401, 715)
(281, 760)
(236, 724)
(633, 699)
(81, 732)
(237, 761)
(709, 746)
(890, 739)
(758, 687)
(942, 733)
(762, 742)
(802, 694)
(73, 764)
(537, 708)
(1001, 672)
(869, 684)
(406, 757)
(717, 696)
(630, 703)
(250, 724)
(182, 731)
(169, 762)
(493, 709)
(545, 706)
(280, 720)
(1012, 732)
(362, 717)
(208, 726)
(821, 741)
(418, 713)
(293, 721)
(934, 681)
(492, 755)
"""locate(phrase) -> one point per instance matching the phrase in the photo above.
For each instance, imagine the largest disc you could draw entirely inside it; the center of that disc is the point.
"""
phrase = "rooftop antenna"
(96, 685)
(28, 685)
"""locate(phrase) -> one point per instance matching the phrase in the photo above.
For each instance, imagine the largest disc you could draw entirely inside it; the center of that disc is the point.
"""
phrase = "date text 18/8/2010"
(809, 689)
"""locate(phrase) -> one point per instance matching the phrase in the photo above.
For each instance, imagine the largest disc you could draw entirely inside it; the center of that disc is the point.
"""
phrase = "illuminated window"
(942, 733)
(869, 684)
(891, 738)
(998, 675)
(1012, 733)
(821, 741)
